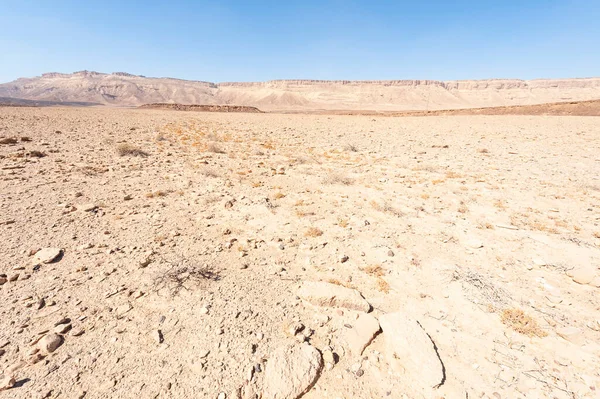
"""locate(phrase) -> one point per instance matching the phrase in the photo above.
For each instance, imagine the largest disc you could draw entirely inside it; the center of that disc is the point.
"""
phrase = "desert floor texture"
(165, 254)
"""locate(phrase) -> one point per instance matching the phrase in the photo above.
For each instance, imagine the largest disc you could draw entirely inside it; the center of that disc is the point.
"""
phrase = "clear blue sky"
(241, 41)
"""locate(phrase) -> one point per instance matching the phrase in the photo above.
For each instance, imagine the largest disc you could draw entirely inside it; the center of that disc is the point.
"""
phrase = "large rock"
(361, 334)
(331, 295)
(291, 371)
(47, 255)
(411, 351)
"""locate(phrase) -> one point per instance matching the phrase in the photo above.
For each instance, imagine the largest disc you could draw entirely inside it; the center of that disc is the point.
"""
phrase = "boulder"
(361, 334)
(411, 351)
(331, 295)
(291, 371)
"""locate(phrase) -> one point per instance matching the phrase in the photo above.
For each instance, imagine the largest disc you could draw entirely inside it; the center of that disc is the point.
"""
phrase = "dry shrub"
(209, 172)
(334, 178)
(127, 149)
(338, 282)
(453, 175)
(213, 147)
(425, 196)
(313, 232)
(25, 139)
(374, 270)
(522, 323)
(157, 194)
(343, 222)
(383, 285)
(386, 207)
(278, 195)
(8, 140)
(181, 277)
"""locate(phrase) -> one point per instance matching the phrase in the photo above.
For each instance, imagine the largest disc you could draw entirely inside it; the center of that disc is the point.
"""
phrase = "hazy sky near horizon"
(264, 40)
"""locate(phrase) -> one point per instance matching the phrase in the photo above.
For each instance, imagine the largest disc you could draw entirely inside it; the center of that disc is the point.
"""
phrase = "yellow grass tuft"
(313, 232)
(522, 323)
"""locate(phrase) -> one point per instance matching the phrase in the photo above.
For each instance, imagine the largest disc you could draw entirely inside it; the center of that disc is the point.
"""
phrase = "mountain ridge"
(125, 89)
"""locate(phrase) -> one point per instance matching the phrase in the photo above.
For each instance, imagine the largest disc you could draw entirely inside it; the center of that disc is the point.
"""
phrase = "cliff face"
(124, 89)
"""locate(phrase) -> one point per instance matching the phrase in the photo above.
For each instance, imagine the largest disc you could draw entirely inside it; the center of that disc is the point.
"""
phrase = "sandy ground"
(183, 252)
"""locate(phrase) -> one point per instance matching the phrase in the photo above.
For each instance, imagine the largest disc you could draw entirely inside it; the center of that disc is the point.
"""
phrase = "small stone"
(13, 277)
(222, 395)
(121, 310)
(127, 197)
(582, 275)
(328, 357)
(62, 328)
(475, 244)
(571, 334)
(49, 343)
(3, 279)
(158, 336)
(344, 259)
(87, 207)
(7, 382)
(47, 255)
(390, 253)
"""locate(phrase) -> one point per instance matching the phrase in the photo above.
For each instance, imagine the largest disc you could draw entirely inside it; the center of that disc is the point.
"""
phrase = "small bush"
(335, 178)
(127, 149)
(313, 232)
(213, 147)
(522, 323)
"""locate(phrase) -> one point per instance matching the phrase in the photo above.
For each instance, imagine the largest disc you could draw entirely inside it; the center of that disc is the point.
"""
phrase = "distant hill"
(123, 89)
(19, 102)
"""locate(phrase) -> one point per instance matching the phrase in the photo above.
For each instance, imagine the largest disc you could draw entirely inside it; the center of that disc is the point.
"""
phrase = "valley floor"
(180, 253)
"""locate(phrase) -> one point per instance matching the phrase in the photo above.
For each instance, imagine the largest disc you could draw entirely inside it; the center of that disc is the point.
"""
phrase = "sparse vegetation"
(214, 147)
(335, 178)
(127, 149)
(522, 323)
(313, 232)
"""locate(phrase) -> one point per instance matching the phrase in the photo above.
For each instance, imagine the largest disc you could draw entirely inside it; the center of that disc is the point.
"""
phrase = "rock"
(328, 357)
(571, 334)
(87, 207)
(7, 382)
(594, 283)
(49, 343)
(331, 295)
(13, 277)
(582, 275)
(62, 328)
(410, 350)
(475, 244)
(344, 259)
(47, 255)
(360, 336)
(291, 371)
(3, 279)
(222, 395)
(158, 336)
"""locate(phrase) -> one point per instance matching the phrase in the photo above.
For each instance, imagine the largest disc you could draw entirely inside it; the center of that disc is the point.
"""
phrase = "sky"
(221, 41)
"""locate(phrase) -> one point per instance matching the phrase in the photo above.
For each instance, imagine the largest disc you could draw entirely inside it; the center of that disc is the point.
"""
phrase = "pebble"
(158, 336)
(47, 255)
(582, 275)
(222, 395)
(7, 382)
(62, 328)
(344, 259)
(49, 343)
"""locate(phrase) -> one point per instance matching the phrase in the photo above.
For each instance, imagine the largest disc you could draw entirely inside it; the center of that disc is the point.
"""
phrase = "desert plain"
(162, 254)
